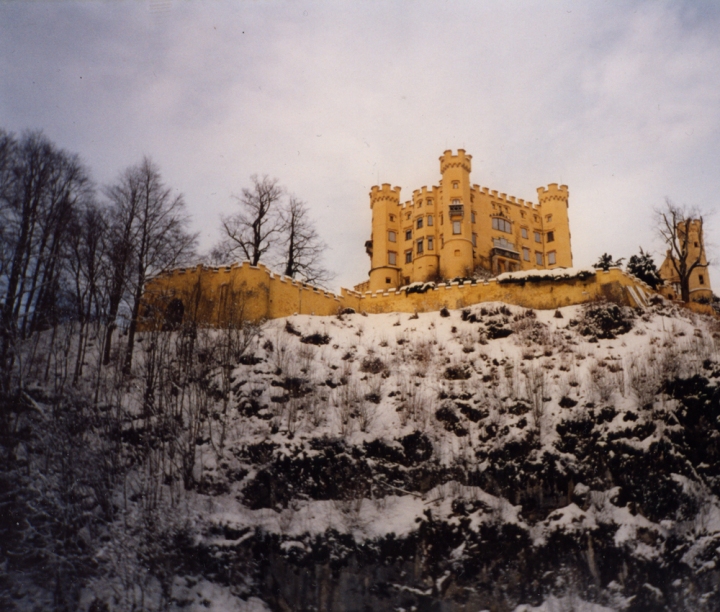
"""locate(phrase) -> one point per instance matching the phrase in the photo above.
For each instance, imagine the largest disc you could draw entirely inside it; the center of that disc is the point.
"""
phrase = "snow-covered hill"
(491, 458)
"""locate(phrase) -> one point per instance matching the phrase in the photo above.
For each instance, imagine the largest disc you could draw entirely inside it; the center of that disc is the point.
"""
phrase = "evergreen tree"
(606, 262)
(643, 267)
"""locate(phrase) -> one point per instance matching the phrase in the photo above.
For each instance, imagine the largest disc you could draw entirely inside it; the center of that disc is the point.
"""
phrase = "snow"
(199, 595)
(554, 274)
(416, 351)
(569, 603)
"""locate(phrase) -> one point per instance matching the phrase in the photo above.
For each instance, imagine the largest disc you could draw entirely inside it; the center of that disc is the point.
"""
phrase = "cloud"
(618, 100)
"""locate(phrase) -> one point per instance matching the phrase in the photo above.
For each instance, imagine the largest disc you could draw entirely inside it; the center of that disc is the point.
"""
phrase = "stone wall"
(218, 296)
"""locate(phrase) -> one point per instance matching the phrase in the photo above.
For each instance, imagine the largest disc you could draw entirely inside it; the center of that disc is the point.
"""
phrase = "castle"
(449, 230)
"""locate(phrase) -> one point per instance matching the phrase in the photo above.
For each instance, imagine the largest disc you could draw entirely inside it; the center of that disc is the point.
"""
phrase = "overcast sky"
(619, 100)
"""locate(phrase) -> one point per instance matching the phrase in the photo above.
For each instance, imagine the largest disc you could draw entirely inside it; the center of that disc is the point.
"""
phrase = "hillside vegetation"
(490, 458)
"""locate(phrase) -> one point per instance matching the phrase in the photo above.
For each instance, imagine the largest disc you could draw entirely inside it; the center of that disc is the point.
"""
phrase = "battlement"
(384, 192)
(503, 198)
(695, 226)
(553, 192)
(462, 160)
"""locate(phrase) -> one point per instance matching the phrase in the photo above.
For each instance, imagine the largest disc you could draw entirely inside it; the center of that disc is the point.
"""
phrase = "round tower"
(553, 207)
(456, 251)
(383, 246)
(699, 282)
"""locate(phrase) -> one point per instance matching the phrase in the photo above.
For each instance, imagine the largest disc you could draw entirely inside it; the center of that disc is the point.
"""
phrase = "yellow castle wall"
(217, 296)
(542, 295)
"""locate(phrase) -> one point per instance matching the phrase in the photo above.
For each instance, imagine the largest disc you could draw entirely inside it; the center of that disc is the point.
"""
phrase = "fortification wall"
(218, 296)
(543, 295)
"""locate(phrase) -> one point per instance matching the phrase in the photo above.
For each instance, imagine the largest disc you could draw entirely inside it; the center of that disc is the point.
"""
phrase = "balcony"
(505, 248)
(456, 210)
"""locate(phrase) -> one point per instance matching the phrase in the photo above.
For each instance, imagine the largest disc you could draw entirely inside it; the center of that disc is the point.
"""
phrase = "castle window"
(472, 216)
(442, 219)
(408, 215)
(696, 244)
(502, 225)
(537, 219)
(526, 254)
(442, 241)
(538, 237)
(522, 214)
(429, 202)
(548, 218)
(457, 229)
(551, 258)
(408, 257)
(392, 218)
(430, 220)
(392, 258)
(392, 236)
(419, 222)
(474, 240)
(408, 234)
(551, 236)
(701, 278)
(538, 258)
(431, 244)
(387, 280)
(524, 232)
(455, 203)
(456, 185)
(420, 246)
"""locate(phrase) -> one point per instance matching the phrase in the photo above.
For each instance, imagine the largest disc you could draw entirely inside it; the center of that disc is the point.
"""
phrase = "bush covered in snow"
(604, 320)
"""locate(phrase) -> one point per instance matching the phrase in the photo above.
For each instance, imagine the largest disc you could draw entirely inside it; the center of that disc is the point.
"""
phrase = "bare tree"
(302, 248)
(251, 231)
(86, 247)
(149, 237)
(686, 251)
(41, 187)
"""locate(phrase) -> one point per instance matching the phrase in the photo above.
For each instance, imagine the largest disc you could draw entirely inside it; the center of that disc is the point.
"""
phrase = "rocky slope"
(490, 458)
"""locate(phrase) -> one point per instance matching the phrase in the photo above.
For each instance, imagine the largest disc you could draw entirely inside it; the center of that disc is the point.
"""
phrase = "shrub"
(457, 372)
(605, 320)
(372, 365)
(419, 288)
(317, 339)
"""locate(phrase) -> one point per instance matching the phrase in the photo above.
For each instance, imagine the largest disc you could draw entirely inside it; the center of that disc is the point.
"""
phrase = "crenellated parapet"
(503, 198)
(553, 193)
(384, 193)
(461, 160)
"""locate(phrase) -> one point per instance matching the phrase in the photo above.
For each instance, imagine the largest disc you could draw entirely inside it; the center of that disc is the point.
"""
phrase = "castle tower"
(384, 244)
(456, 249)
(553, 206)
(699, 281)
